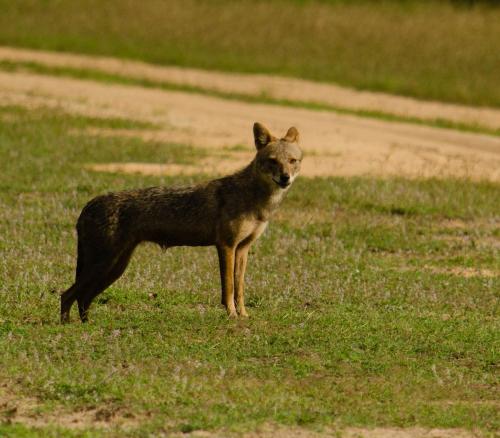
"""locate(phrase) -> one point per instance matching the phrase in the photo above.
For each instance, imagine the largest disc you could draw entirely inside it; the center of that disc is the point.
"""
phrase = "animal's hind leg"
(102, 282)
(67, 300)
(69, 297)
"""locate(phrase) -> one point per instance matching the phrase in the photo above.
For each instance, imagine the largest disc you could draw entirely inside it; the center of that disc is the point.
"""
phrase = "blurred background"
(431, 49)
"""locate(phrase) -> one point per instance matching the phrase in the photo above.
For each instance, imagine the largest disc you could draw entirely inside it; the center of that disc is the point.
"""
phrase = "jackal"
(229, 212)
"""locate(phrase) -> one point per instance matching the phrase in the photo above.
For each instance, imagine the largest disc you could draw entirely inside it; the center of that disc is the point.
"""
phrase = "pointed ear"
(292, 135)
(262, 135)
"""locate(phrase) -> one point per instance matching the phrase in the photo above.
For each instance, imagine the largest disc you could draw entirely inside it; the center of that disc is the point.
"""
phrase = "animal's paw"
(243, 313)
(231, 313)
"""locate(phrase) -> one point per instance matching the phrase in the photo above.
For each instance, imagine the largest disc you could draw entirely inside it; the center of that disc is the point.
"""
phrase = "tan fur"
(229, 212)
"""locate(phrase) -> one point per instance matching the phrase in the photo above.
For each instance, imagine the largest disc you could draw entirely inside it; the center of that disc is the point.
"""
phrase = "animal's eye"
(273, 161)
(293, 160)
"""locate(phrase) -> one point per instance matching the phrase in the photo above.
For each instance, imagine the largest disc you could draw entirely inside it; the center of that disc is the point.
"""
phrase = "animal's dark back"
(167, 216)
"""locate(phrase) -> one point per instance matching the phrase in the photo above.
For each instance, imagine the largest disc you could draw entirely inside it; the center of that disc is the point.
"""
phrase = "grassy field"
(373, 302)
(431, 50)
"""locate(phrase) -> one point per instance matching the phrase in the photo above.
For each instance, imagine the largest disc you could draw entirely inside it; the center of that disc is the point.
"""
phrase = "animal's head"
(278, 159)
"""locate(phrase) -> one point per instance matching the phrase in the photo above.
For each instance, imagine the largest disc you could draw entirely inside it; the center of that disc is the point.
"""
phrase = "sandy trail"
(334, 144)
(258, 84)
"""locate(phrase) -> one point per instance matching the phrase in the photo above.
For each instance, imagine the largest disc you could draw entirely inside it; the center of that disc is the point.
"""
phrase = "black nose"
(284, 178)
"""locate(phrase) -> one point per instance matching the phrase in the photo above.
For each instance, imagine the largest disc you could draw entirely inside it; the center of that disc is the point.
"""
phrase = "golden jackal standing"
(229, 212)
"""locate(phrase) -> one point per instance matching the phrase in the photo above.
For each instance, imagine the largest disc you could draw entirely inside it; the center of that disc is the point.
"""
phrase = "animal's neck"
(269, 196)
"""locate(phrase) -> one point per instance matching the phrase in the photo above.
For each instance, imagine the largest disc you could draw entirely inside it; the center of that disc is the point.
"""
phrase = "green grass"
(121, 79)
(349, 325)
(431, 50)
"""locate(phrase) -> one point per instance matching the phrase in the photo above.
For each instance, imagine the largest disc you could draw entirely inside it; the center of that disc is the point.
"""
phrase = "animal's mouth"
(283, 184)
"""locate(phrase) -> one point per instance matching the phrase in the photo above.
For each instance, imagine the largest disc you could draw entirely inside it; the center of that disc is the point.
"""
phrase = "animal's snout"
(284, 178)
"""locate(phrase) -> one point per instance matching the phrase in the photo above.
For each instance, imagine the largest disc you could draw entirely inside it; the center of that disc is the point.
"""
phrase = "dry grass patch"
(414, 432)
(28, 411)
(350, 432)
(464, 272)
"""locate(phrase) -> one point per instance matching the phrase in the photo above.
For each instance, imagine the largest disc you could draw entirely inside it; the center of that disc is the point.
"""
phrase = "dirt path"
(358, 432)
(334, 144)
(272, 86)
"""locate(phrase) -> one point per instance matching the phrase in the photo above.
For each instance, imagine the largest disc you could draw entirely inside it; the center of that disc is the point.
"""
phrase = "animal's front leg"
(226, 263)
(239, 278)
